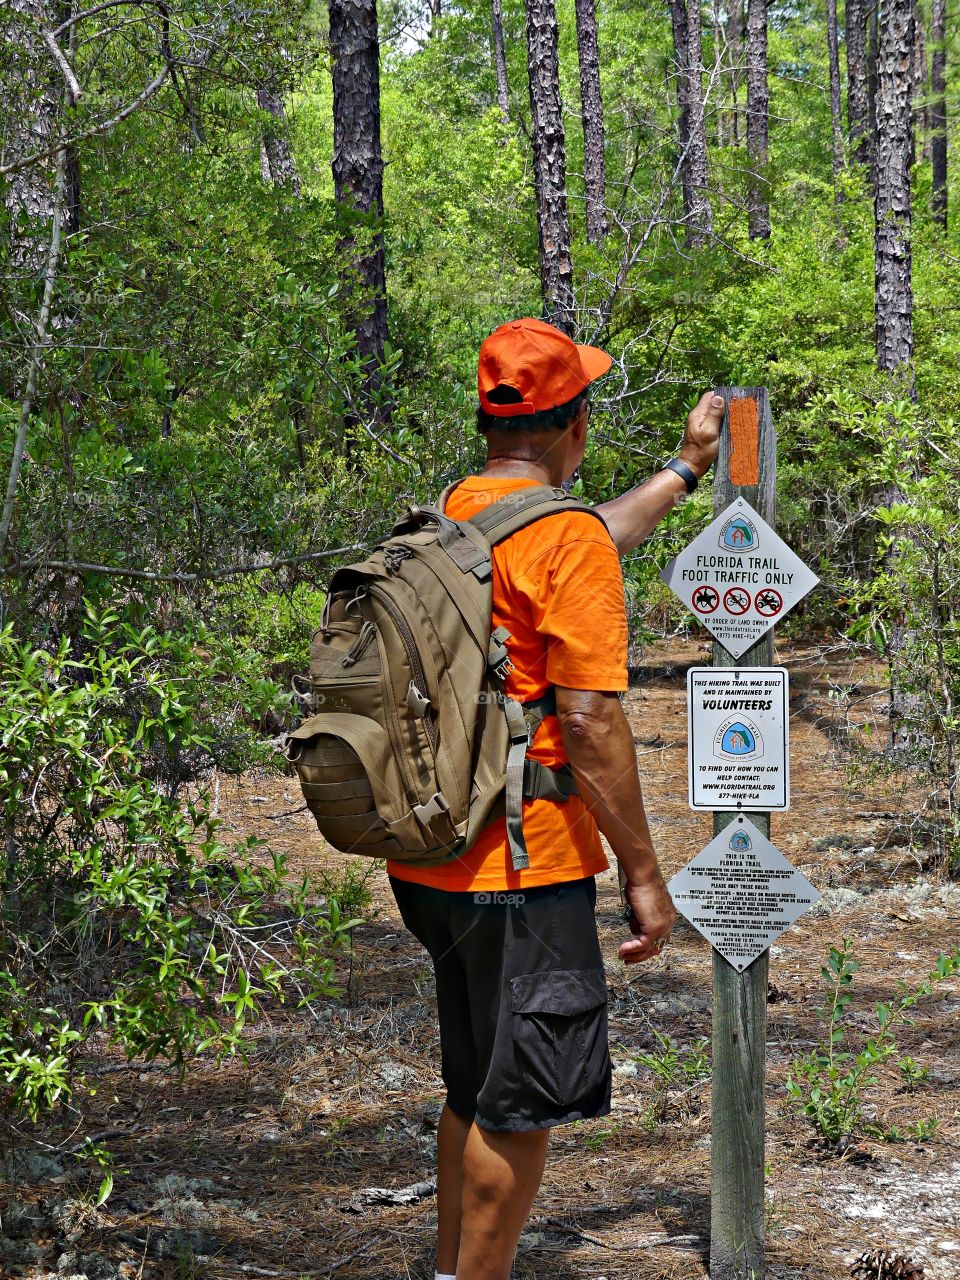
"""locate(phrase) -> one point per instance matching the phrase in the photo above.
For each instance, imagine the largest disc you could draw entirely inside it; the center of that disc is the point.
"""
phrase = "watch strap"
(685, 472)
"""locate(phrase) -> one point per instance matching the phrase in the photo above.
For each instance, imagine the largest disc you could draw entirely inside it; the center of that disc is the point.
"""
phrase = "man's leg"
(451, 1137)
(501, 1175)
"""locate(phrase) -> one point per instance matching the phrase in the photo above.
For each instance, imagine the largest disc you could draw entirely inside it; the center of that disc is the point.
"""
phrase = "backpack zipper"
(419, 675)
(367, 632)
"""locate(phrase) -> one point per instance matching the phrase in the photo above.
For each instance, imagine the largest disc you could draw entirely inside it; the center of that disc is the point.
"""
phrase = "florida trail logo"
(738, 739)
(739, 533)
(740, 842)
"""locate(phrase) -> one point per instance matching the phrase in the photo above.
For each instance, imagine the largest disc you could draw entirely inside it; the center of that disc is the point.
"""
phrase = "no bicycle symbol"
(736, 601)
(705, 599)
(769, 602)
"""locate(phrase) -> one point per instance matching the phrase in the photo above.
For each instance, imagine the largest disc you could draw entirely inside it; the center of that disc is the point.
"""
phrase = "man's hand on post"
(701, 436)
(652, 916)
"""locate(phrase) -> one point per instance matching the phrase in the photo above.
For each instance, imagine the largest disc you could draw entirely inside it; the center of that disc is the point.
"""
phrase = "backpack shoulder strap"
(514, 511)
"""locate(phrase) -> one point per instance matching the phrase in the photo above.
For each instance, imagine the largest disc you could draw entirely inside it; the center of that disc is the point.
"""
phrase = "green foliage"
(126, 917)
(828, 1084)
(676, 1070)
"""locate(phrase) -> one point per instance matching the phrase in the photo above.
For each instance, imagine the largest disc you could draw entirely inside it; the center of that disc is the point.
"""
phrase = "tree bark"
(32, 100)
(858, 107)
(500, 63)
(894, 155)
(736, 31)
(276, 160)
(591, 104)
(836, 109)
(549, 164)
(938, 109)
(873, 51)
(758, 109)
(358, 166)
(694, 167)
(921, 110)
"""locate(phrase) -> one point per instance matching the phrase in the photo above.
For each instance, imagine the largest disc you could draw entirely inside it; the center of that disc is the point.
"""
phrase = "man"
(521, 992)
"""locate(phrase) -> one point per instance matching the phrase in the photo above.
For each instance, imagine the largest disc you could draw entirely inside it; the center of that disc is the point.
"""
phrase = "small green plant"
(827, 1084)
(912, 1073)
(673, 1068)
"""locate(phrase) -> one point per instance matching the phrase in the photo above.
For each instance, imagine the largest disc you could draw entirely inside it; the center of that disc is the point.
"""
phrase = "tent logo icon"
(739, 534)
(738, 739)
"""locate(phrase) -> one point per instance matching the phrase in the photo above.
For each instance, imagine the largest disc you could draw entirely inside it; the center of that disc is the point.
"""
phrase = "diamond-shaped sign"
(741, 893)
(738, 577)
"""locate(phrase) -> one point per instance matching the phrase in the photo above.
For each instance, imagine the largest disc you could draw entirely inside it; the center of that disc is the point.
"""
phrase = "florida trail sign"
(738, 577)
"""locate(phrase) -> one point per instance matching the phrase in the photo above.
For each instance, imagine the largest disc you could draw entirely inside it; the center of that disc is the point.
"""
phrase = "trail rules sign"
(738, 577)
(738, 738)
(741, 893)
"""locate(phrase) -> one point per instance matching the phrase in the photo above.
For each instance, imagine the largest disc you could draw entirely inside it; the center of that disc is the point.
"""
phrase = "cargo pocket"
(560, 1036)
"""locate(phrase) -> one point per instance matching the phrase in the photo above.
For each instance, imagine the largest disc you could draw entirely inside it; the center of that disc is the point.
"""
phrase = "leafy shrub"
(125, 916)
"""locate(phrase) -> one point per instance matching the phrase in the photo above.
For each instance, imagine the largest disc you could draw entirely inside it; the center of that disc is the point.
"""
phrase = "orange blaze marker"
(744, 422)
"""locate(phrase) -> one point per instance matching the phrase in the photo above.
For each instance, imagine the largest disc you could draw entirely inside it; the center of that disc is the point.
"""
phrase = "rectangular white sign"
(738, 748)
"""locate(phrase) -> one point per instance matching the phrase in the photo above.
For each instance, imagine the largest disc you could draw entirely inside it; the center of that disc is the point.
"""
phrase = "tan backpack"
(414, 746)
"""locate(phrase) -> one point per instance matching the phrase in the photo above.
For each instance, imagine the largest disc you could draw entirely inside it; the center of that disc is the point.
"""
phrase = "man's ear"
(578, 426)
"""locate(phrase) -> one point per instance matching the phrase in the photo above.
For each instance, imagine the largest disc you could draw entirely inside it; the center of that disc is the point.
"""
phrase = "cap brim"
(594, 361)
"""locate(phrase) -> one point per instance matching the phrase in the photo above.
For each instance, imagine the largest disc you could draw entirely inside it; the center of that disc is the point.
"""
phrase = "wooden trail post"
(746, 467)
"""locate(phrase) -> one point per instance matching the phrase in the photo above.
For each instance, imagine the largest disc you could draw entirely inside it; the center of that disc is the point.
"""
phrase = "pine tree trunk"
(692, 134)
(938, 109)
(276, 160)
(702, 213)
(681, 54)
(736, 31)
(758, 105)
(921, 110)
(500, 63)
(894, 155)
(836, 109)
(32, 103)
(591, 103)
(858, 108)
(549, 164)
(873, 53)
(358, 164)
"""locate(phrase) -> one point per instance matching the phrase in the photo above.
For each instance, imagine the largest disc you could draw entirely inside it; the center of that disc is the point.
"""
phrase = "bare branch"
(150, 575)
(73, 84)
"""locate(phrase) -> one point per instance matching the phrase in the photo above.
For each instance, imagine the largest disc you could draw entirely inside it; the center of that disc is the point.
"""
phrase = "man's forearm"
(602, 755)
(631, 517)
(635, 514)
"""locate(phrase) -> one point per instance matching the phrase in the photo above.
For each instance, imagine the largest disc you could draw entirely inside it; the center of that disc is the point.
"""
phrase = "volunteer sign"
(741, 893)
(738, 577)
(738, 734)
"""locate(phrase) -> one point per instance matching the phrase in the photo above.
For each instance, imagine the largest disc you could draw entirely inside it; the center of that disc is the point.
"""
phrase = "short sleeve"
(575, 590)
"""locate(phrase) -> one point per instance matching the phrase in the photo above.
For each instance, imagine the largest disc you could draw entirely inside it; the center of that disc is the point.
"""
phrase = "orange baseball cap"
(540, 362)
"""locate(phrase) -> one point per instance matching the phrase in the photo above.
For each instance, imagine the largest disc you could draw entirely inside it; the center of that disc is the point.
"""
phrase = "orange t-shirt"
(558, 590)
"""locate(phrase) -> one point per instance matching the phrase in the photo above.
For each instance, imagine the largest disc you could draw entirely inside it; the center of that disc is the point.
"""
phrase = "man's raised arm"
(632, 516)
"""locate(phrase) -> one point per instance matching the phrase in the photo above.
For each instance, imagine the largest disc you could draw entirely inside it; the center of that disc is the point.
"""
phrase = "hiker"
(521, 992)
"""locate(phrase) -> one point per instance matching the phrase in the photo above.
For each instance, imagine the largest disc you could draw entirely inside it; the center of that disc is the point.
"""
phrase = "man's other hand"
(652, 916)
(701, 437)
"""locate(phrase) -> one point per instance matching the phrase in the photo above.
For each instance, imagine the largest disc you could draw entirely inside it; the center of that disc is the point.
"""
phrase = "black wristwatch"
(684, 471)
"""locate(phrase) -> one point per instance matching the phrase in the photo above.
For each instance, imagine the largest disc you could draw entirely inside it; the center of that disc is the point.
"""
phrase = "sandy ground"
(264, 1169)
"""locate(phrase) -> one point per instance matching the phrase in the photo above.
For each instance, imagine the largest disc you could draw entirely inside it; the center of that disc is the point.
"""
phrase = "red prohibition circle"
(706, 599)
(768, 602)
(736, 601)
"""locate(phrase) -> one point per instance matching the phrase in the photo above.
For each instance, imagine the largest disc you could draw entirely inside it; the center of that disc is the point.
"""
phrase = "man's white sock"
(440, 1275)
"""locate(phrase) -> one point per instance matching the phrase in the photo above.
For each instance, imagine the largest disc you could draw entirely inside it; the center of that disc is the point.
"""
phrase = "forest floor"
(270, 1168)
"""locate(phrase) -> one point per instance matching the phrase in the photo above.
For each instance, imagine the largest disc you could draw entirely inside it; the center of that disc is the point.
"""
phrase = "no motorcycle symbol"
(736, 601)
(768, 603)
(705, 599)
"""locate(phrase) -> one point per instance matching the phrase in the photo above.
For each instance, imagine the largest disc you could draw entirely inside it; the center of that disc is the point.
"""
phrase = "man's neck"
(520, 469)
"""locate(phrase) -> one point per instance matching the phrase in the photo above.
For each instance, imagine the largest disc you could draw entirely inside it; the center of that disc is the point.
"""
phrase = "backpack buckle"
(498, 655)
(418, 702)
(425, 813)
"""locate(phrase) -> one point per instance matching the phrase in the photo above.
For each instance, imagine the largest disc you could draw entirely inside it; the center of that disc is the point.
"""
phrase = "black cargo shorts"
(521, 999)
